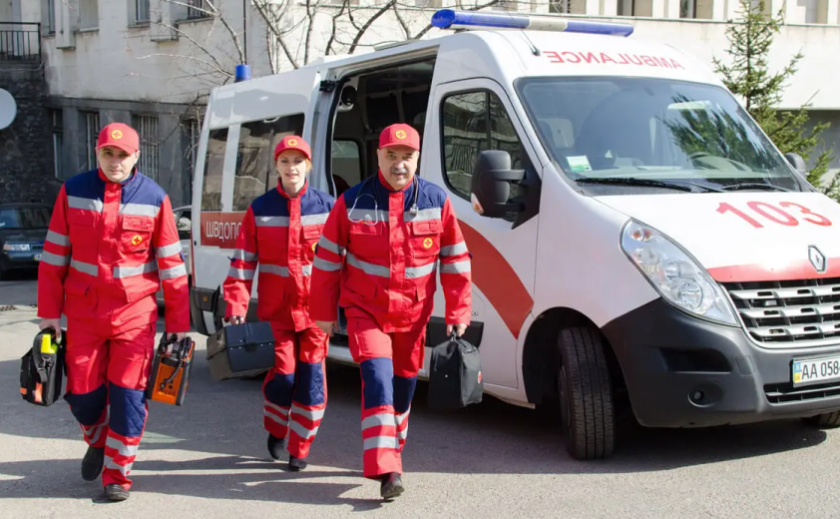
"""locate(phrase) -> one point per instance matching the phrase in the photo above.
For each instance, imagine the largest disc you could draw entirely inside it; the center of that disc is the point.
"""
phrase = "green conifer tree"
(749, 77)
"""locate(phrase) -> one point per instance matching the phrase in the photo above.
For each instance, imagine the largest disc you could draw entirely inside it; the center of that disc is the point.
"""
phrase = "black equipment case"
(241, 350)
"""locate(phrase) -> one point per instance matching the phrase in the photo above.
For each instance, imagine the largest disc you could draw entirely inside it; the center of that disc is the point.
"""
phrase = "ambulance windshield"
(650, 132)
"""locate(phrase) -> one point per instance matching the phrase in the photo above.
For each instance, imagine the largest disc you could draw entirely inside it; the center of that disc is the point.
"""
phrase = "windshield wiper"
(647, 182)
(754, 185)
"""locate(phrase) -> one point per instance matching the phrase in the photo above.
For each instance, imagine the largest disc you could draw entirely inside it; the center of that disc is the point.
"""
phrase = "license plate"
(37, 257)
(816, 371)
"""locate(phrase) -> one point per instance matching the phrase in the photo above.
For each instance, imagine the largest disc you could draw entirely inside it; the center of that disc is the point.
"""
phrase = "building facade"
(151, 63)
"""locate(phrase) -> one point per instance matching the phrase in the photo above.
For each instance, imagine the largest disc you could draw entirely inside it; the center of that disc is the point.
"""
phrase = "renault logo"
(817, 259)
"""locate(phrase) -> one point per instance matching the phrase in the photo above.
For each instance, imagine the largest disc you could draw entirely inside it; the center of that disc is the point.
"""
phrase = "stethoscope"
(413, 210)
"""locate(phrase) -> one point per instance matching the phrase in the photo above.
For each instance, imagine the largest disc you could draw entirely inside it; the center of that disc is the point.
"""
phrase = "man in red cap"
(112, 242)
(377, 258)
(279, 233)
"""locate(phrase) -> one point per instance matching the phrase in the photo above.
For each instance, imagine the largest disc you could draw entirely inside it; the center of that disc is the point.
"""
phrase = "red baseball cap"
(120, 136)
(399, 135)
(292, 142)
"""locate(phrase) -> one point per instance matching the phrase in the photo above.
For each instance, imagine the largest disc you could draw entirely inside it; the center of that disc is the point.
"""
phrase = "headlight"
(675, 275)
(16, 247)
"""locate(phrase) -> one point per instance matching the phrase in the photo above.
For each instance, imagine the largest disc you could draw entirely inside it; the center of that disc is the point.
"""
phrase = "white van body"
(626, 148)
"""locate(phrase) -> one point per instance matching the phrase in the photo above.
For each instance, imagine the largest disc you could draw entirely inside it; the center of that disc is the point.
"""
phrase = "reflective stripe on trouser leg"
(91, 411)
(379, 431)
(408, 353)
(277, 388)
(129, 412)
(87, 390)
(279, 383)
(310, 396)
(403, 394)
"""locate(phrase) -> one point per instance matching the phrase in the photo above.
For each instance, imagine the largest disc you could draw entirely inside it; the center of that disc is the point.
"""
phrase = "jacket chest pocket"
(425, 238)
(369, 239)
(82, 228)
(309, 237)
(136, 234)
(272, 243)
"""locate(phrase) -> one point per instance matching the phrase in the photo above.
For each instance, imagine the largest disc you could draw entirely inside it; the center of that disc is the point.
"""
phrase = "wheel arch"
(541, 356)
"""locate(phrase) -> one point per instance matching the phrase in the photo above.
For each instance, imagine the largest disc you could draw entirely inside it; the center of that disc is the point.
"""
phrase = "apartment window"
(91, 136)
(255, 171)
(559, 6)
(192, 136)
(197, 9)
(688, 9)
(147, 128)
(141, 11)
(57, 123)
(50, 10)
(88, 14)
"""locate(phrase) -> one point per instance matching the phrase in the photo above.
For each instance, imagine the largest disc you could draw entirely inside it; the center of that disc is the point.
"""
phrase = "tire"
(824, 421)
(585, 391)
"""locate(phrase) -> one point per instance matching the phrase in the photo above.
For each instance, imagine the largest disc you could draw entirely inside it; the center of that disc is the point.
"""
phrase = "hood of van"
(746, 236)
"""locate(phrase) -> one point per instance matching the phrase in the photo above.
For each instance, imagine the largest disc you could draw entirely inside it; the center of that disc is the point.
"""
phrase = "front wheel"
(824, 421)
(586, 399)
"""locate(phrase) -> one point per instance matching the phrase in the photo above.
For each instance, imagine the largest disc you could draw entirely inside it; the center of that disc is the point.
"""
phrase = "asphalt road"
(208, 459)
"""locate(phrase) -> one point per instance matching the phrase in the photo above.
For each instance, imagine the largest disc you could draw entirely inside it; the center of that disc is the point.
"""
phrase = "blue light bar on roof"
(450, 19)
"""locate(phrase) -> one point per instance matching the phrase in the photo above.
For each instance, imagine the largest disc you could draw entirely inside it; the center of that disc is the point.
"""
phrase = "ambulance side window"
(255, 171)
(211, 193)
(474, 122)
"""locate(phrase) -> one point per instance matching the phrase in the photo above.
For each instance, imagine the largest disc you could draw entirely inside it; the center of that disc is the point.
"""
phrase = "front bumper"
(669, 359)
(11, 260)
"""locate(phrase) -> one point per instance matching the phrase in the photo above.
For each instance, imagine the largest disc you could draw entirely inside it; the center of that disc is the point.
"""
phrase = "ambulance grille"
(789, 313)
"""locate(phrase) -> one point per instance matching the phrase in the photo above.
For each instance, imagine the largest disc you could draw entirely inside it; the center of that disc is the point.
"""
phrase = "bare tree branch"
(384, 9)
(234, 36)
(272, 23)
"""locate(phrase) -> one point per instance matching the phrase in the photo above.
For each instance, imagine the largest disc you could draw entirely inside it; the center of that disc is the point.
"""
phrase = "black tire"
(585, 391)
(824, 421)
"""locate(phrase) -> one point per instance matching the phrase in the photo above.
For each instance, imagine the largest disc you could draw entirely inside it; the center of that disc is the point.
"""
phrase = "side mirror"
(797, 162)
(490, 184)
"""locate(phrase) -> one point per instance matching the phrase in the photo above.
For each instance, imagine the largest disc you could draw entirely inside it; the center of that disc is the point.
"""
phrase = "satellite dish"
(8, 109)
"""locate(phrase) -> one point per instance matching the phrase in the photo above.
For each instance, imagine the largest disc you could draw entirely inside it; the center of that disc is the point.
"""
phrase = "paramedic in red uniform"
(378, 258)
(112, 242)
(279, 232)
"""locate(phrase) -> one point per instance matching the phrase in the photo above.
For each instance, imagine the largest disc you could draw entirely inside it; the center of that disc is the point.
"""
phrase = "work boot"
(392, 486)
(114, 492)
(275, 446)
(296, 464)
(92, 463)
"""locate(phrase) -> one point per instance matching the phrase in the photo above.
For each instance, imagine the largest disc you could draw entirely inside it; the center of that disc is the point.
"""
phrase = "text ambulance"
(637, 240)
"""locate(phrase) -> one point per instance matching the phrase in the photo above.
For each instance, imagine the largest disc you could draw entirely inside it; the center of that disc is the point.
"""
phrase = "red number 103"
(775, 214)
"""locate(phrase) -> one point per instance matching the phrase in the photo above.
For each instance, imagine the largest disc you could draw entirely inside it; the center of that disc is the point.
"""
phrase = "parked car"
(23, 230)
(183, 221)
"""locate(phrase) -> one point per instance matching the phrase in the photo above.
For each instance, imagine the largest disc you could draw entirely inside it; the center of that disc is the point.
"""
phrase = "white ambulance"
(638, 243)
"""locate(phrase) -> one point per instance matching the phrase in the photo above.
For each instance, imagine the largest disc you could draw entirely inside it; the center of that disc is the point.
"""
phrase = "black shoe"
(276, 446)
(297, 464)
(92, 463)
(392, 486)
(114, 492)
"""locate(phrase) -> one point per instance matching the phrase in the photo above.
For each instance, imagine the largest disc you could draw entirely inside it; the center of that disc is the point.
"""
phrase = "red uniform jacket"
(278, 233)
(384, 256)
(109, 248)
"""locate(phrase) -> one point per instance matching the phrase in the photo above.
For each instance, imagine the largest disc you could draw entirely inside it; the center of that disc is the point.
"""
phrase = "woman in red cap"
(279, 232)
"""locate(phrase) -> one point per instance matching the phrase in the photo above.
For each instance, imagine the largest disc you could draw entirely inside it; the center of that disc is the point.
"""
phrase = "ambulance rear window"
(649, 128)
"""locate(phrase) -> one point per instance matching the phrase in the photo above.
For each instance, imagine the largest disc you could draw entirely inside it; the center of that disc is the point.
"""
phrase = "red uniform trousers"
(105, 371)
(389, 363)
(295, 391)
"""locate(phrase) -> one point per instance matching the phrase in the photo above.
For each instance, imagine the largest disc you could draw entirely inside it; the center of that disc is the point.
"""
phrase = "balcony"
(20, 42)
